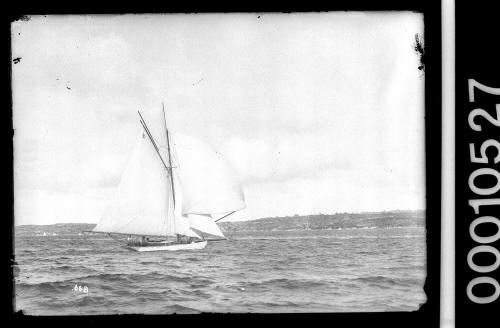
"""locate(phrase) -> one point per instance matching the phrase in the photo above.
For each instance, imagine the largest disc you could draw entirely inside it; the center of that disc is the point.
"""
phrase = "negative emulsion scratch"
(419, 48)
(198, 82)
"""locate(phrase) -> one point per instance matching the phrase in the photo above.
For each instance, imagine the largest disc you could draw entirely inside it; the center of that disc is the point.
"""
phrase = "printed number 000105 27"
(476, 203)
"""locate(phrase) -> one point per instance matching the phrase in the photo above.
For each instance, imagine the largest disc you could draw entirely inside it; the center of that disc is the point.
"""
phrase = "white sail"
(209, 184)
(143, 203)
(181, 221)
(205, 226)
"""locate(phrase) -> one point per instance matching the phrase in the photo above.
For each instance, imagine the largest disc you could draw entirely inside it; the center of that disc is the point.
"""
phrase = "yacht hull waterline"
(171, 247)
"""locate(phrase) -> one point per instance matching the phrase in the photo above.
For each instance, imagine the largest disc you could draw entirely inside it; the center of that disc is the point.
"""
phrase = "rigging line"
(225, 216)
(143, 122)
(154, 144)
(149, 134)
(123, 233)
(169, 154)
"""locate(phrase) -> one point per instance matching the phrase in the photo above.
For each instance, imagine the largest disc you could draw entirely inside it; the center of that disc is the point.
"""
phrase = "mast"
(152, 141)
(169, 155)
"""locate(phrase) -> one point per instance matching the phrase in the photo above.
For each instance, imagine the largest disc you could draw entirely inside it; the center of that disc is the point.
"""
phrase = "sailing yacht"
(173, 191)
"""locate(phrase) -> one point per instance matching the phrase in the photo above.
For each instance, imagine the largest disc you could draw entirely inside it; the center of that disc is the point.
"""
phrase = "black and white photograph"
(219, 163)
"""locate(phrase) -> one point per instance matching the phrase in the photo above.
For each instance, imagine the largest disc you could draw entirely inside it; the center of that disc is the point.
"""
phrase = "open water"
(377, 269)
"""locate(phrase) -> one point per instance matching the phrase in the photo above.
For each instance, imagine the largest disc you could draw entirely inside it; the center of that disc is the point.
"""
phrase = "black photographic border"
(477, 57)
(428, 314)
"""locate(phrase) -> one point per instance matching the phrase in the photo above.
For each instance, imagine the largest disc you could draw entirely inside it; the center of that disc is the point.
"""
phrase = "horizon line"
(267, 217)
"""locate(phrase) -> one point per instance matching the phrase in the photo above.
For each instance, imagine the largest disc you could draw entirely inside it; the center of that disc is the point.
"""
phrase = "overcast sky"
(318, 113)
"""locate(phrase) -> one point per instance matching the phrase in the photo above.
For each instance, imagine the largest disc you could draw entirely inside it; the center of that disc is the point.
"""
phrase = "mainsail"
(143, 200)
(172, 185)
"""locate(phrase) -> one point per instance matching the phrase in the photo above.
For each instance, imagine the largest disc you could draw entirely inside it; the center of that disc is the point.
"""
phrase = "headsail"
(208, 182)
(205, 226)
(181, 221)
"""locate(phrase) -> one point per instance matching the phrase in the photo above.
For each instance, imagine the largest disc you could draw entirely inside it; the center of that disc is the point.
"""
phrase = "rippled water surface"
(380, 269)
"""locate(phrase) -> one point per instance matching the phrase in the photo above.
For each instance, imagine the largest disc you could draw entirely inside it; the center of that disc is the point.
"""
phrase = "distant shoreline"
(306, 216)
(337, 221)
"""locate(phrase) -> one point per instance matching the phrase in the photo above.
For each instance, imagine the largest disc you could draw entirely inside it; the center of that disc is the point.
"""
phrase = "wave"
(387, 281)
(181, 309)
(324, 237)
(116, 278)
(283, 283)
(42, 288)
